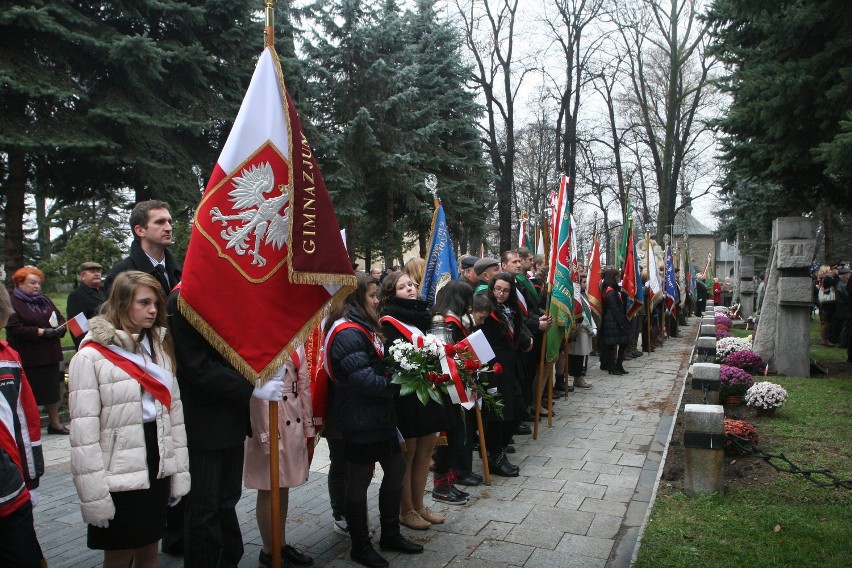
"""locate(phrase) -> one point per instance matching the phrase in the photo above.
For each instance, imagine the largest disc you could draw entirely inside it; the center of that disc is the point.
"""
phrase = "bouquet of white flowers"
(721, 310)
(418, 369)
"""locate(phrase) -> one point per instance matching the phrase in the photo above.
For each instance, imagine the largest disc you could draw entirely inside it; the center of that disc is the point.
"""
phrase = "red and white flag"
(78, 325)
(266, 259)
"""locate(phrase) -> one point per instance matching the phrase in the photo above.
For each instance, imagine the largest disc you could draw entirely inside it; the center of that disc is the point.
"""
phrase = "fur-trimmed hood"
(103, 332)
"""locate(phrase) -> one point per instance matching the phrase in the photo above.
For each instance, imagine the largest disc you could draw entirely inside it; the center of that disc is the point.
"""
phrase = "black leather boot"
(393, 540)
(362, 549)
(501, 466)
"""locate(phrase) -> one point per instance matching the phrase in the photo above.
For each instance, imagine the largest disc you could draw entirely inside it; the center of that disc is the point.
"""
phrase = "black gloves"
(51, 332)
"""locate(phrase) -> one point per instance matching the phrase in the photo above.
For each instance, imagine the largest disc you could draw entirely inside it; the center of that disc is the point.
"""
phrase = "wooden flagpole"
(648, 296)
(483, 451)
(275, 497)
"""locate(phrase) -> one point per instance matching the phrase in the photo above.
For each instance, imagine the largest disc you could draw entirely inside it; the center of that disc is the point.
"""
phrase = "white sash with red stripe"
(153, 378)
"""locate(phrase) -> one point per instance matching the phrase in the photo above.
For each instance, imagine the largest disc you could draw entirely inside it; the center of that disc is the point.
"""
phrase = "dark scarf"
(412, 312)
(508, 313)
(39, 303)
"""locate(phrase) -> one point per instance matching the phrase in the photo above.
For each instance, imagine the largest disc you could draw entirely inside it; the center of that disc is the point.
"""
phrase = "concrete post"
(746, 286)
(705, 350)
(705, 376)
(704, 449)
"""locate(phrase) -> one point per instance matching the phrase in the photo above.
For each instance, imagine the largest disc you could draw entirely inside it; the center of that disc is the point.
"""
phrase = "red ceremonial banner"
(266, 259)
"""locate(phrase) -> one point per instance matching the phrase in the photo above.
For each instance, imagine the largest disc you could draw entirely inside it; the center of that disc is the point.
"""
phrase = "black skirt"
(140, 516)
(44, 382)
(414, 419)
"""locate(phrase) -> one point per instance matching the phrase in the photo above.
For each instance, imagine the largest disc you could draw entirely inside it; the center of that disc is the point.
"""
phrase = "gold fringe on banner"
(234, 358)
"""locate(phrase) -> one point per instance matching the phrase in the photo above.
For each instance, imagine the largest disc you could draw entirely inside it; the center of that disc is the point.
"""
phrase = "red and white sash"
(153, 378)
(339, 326)
(411, 333)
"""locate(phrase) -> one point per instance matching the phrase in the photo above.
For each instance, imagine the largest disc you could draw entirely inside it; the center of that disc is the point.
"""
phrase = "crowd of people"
(833, 300)
(147, 390)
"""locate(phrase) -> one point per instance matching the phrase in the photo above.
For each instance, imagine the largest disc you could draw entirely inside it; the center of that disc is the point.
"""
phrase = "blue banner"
(441, 265)
(672, 294)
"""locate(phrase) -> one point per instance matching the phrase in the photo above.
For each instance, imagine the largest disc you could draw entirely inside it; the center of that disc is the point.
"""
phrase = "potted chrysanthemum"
(766, 397)
(734, 383)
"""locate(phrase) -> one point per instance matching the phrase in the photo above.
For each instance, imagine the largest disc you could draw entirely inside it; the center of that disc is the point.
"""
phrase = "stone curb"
(656, 488)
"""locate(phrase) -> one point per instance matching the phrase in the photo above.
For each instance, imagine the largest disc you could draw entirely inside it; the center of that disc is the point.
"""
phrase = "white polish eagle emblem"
(264, 219)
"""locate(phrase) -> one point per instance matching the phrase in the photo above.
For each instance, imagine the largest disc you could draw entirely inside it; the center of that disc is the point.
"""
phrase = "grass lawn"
(767, 518)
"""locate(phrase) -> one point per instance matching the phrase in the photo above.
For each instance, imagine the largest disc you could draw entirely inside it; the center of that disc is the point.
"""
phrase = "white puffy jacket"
(107, 438)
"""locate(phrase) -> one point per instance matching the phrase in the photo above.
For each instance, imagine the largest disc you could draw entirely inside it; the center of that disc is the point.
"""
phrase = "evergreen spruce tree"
(791, 86)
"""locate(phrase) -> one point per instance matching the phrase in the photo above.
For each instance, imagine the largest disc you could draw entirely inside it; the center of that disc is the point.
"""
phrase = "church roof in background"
(694, 227)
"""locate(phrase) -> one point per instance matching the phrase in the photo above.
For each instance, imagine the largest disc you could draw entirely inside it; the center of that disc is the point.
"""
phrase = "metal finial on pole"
(431, 183)
(269, 25)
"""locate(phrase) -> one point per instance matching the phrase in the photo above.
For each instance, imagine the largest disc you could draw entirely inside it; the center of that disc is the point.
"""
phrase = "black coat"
(23, 337)
(616, 327)
(414, 419)
(362, 407)
(215, 396)
(506, 350)
(138, 260)
(84, 300)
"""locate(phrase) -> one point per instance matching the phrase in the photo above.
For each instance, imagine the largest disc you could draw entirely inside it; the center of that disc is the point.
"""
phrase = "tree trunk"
(16, 186)
(42, 228)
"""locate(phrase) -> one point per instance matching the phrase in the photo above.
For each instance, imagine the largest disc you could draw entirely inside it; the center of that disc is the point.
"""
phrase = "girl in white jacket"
(128, 443)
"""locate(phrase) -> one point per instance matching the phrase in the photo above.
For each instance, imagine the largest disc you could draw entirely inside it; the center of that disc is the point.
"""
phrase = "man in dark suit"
(215, 399)
(151, 224)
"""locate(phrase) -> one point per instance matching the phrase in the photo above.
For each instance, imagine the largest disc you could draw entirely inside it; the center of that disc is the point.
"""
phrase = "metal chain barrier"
(815, 476)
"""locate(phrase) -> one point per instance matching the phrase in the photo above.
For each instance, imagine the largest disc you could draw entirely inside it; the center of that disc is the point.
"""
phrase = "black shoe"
(617, 372)
(398, 543)
(365, 555)
(523, 430)
(604, 367)
(636, 354)
(622, 370)
(502, 469)
(445, 494)
(510, 449)
(511, 441)
(468, 480)
(295, 557)
(459, 492)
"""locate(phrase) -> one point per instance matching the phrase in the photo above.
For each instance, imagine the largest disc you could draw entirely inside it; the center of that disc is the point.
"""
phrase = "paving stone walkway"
(583, 491)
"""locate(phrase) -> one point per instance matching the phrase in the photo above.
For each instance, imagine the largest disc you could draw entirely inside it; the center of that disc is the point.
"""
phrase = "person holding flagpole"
(363, 409)
(295, 432)
(128, 443)
(506, 333)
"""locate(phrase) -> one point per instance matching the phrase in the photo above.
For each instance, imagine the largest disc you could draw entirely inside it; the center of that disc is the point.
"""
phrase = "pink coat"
(295, 426)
